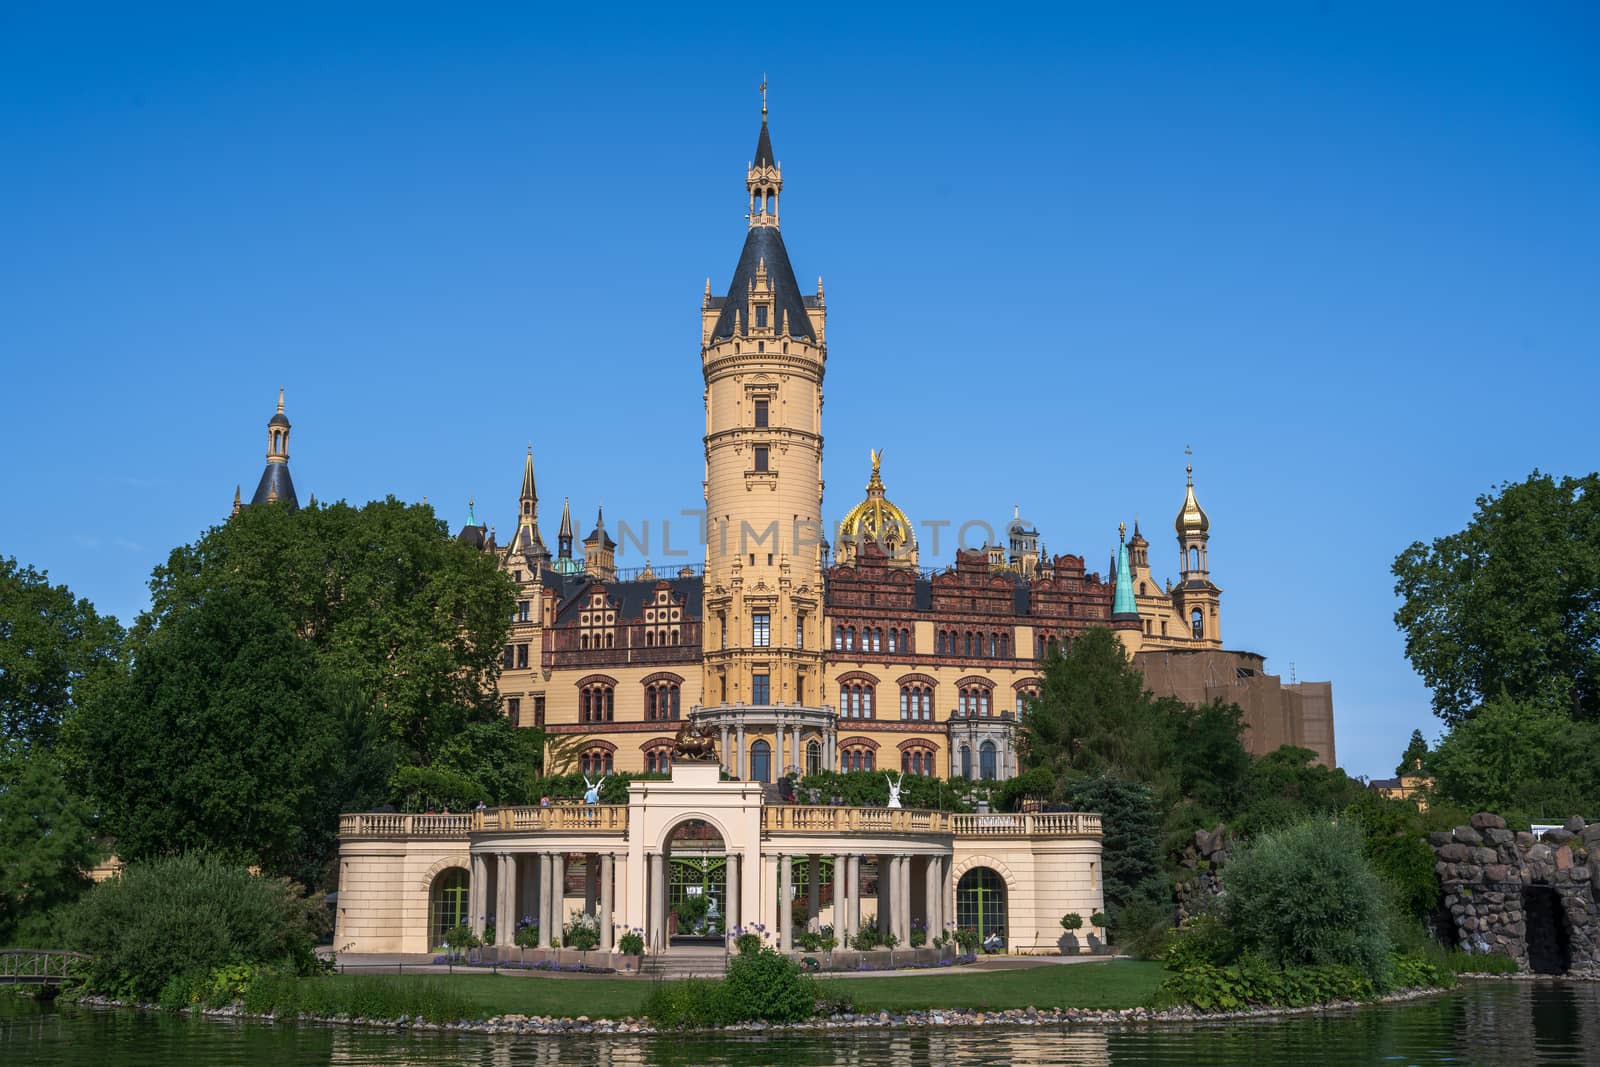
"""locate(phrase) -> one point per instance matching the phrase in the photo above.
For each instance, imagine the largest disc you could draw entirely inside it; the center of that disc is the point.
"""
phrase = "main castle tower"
(763, 350)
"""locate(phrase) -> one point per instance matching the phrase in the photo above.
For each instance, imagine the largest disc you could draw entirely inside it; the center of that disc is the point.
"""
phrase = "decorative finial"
(280, 400)
(763, 96)
(1188, 468)
(1122, 531)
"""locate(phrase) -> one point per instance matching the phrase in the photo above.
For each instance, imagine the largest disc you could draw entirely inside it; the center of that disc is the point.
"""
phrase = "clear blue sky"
(1349, 253)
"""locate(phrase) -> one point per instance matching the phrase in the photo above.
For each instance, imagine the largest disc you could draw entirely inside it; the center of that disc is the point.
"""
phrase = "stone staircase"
(687, 961)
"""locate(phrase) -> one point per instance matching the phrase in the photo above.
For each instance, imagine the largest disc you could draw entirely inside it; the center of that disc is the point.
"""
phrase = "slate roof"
(630, 597)
(765, 243)
(276, 476)
(764, 148)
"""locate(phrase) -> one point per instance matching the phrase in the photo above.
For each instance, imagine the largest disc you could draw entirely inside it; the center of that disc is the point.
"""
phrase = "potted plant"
(1071, 922)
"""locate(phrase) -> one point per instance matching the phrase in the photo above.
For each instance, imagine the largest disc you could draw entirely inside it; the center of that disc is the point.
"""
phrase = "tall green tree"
(47, 845)
(1511, 603)
(50, 642)
(221, 736)
(1521, 759)
(1416, 751)
(389, 602)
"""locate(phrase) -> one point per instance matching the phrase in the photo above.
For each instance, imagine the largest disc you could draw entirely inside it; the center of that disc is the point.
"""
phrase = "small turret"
(276, 487)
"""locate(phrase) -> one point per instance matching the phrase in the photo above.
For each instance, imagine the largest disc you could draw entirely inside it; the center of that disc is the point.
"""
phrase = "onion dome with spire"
(876, 520)
(1192, 518)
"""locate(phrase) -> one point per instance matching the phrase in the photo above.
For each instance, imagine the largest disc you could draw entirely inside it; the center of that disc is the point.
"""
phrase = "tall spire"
(1123, 606)
(765, 180)
(527, 539)
(275, 485)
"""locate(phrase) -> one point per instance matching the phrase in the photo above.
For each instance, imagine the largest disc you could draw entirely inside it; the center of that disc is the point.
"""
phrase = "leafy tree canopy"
(221, 736)
(385, 597)
(1522, 759)
(47, 845)
(1511, 604)
(50, 641)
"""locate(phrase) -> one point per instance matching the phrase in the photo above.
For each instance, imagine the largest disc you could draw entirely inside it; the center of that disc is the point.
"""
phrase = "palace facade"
(802, 653)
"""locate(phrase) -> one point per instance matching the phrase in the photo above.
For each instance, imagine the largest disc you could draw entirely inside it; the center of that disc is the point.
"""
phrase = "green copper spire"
(1124, 604)
(472, 519)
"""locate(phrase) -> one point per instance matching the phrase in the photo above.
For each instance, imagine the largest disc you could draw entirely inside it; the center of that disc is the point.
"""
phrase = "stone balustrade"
(779, 819)
(394, 824)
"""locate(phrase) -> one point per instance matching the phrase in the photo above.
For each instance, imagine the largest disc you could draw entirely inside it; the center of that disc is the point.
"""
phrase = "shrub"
(1205, 939)
(187, 916)
(695, 1002)
(766, 985)
(1306, 896)
(1099, 919)
(1072, 921)
(582, 933)
(631, 943)
(1253, 981)
(527, 935)
(919, 933)
(869, 936)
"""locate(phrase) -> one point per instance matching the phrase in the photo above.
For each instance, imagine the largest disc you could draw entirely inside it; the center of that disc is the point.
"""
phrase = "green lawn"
(1114, 984)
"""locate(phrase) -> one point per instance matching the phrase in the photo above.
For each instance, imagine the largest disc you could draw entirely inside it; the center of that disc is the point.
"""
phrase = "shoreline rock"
(927, 1018)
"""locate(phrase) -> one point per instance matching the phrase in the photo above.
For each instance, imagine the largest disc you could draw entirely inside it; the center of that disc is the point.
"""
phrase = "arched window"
(1005, 644)
(966, 761)
(596, 700)
(856, 758)
(1197, 622)
(449, 902)
(850, 638)
(994, 645)
(658, 760)
(760, 762)
(649, 638)
(938, 642)
(968, 644)
(894, 640)
(838, 637)
(855, 697)
(916, 702)
(813, 758)
(596, 761)
(987, 768)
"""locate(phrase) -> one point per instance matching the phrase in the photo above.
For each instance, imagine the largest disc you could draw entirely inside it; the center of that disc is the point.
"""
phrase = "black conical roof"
(764, 148)
(764, 243)
(276, 477)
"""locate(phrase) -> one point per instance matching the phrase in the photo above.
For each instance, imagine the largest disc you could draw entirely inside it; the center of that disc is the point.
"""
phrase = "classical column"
(722, 748)
(605, 902)
(743, 755)
(930, 896)
(947, 893)
(785, 910)
(591, 882)
(730, 905)
(841, 898)
(813, 890)
(853, 883)
(777, 771)
(658, 902)
(545, 922)
(505, 923)
(558, 894)
(902, 911)
(478, 902)
(885, 891)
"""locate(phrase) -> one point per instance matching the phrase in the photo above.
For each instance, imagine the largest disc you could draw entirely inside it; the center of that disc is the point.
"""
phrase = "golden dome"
(876, 519)
(1192, 517)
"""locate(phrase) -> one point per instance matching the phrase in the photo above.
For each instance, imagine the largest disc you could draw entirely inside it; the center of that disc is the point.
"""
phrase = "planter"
(879, 959)
(626, 964)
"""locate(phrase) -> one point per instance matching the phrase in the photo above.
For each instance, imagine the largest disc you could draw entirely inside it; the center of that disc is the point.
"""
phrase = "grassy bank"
(1115, 984)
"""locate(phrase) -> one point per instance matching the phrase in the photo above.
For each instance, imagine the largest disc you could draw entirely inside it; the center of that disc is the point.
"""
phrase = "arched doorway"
(449, 904)
(697, 883)
(761, 762)
(1549, 943)
(981, 904)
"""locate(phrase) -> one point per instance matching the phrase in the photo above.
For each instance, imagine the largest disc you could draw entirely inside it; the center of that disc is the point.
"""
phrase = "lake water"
(1506, 1024)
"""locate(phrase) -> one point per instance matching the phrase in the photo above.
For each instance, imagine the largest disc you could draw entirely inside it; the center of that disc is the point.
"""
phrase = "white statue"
(894, 790)
(591, 795)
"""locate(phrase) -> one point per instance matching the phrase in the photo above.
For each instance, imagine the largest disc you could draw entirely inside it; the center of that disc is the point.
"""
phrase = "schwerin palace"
(800, 654)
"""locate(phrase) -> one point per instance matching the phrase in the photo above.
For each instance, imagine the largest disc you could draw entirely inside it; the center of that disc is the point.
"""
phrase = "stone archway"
(696, 882)
(449, 904)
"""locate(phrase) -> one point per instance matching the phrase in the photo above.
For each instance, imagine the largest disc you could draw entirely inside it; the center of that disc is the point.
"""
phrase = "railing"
(1041, 824)
(382, 824)
(40, 966)
(786, 819)
(596, 818)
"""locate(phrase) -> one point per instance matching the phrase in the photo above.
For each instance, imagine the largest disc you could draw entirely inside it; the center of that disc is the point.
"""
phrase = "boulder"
(1558, 836)
(1454, 853)
(1487, 821)
(1563, 858)
(1524, 839)
(1485, 855)
(1495, 872)
(1439, 838)
(1499, 835)
(1466, 835)
(1575, 824)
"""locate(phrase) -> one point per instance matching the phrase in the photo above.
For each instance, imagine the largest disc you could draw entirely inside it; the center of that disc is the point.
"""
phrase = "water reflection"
(1494, 1025)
